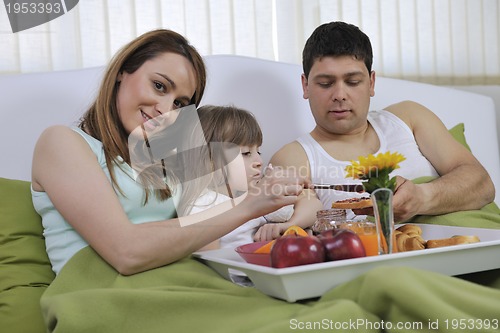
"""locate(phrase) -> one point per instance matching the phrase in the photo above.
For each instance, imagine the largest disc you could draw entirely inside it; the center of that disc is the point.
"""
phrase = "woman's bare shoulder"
(57, 132)
(57, 147)
(60, 136)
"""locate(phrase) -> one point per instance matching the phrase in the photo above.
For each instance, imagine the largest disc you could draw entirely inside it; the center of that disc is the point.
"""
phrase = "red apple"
(341, 244)
(290, 251)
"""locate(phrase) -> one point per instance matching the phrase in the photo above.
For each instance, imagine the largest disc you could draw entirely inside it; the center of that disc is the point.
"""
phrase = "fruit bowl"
(246, 251)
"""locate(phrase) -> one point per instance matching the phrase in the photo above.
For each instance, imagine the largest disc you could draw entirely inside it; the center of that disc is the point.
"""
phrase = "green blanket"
(187, 296)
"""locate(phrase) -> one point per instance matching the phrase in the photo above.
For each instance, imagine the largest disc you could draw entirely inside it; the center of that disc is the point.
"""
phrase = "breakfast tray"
(309, 281)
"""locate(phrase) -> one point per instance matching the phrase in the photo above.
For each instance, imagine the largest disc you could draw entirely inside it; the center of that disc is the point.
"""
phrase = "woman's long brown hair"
(102, 120)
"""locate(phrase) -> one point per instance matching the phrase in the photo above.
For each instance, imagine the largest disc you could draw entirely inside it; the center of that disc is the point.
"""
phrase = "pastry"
(455, 240)
(409, 238)
(353, 203)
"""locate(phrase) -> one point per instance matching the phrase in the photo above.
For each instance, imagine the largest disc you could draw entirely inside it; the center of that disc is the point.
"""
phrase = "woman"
(83, 184)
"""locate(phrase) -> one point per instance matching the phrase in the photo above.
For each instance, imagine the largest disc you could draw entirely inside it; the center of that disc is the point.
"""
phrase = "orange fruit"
(296, 230)
(265, 248)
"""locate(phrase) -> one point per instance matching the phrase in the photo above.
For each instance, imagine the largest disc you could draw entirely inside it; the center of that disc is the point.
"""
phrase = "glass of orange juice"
(367, 232)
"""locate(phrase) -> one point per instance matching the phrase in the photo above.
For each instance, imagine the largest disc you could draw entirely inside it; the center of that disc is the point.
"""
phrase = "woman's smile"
(156, 89)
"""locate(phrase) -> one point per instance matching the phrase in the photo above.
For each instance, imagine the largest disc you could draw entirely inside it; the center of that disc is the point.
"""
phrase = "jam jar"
(327, 219)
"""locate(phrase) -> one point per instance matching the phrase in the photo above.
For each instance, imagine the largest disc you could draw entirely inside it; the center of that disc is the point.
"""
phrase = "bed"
(272, 91)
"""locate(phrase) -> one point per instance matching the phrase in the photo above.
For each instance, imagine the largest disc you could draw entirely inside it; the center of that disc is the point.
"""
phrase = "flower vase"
(384, 218)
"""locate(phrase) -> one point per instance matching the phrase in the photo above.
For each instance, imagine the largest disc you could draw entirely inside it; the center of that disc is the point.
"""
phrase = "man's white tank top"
(394, 136)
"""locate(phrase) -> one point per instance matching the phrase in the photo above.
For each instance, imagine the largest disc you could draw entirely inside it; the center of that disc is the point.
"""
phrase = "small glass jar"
(328, 219)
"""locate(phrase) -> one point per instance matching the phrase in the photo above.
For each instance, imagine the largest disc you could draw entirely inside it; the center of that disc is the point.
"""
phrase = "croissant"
(409, 238)
(405, 242)
(410, 228)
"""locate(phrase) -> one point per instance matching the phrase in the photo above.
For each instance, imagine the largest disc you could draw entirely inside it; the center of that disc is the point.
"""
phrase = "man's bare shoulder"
(405, 107)
(290, 147)
(411, 112)
(290, 154)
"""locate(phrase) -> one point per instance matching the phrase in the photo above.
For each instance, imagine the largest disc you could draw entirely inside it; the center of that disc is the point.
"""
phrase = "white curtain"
(437, 41)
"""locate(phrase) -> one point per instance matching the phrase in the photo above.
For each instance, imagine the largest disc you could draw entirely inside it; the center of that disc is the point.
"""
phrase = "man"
(338, 82)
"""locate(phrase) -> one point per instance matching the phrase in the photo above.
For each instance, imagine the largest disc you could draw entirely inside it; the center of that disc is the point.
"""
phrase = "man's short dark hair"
(337, 39)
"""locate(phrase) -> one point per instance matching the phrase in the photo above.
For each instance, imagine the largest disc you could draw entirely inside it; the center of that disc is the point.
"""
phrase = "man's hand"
(406, 201)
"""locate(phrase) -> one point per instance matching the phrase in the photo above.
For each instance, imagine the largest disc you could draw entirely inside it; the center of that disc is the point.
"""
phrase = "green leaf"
(392, 184)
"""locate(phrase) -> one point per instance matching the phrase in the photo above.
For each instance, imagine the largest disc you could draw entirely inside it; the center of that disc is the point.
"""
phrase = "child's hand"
(269, 231)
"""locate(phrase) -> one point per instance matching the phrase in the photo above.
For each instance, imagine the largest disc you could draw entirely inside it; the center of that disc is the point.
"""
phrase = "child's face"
(253, 163)
(253, 168)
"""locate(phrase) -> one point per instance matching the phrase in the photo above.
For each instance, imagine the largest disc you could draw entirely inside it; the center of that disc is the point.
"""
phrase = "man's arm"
(293, 158)
(463, 183)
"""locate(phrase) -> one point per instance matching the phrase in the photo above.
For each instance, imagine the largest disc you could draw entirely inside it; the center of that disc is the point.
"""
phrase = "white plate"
(308, 281)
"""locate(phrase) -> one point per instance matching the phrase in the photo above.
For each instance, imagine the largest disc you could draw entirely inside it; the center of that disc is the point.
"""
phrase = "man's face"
(339, 91)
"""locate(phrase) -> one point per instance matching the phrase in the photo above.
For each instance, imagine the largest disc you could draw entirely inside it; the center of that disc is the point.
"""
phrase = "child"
(231, 125)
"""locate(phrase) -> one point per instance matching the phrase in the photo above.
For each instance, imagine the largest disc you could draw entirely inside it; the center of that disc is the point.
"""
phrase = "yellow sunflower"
(376, 170)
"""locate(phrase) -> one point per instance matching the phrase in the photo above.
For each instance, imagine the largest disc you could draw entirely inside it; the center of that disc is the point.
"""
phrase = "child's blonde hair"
(225, 129)
(230, 124)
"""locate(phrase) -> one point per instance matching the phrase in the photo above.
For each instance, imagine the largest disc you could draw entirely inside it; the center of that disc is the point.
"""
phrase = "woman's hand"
(277, 188)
